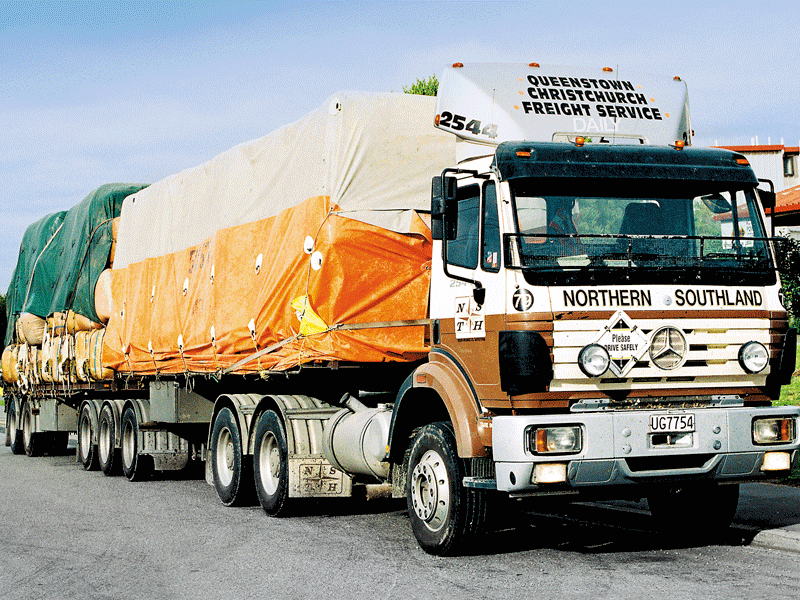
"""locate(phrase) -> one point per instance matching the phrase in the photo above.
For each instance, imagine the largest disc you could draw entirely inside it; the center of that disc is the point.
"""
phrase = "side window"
(490, 254)
(463, 251)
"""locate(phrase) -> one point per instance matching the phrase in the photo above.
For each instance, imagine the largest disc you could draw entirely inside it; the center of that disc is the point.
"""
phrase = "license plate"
(663, 423)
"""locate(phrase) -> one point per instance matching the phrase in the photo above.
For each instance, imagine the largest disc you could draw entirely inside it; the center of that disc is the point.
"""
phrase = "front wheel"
(443, 514)
(271, 464)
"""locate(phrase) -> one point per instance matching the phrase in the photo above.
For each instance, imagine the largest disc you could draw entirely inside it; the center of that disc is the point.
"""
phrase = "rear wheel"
(443, 514)
(700, 509)
(108, 453)
(227, 461)
(30, 439)
(14, 433)
(271, 464)
(136, 466)
(87, 449)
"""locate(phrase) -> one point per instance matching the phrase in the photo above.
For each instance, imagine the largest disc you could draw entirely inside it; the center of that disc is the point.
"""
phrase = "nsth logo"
(469, 319)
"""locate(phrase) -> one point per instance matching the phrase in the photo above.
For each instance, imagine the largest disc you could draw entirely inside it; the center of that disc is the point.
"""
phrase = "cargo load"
(296, 247)
(61, 258)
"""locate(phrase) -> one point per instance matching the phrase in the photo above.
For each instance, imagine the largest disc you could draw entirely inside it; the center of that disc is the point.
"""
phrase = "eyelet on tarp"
(308, 244)
(316, 260)
(259, 260)
(335, 107)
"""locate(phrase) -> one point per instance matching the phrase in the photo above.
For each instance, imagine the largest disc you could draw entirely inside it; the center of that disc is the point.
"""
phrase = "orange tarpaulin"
(167, 306)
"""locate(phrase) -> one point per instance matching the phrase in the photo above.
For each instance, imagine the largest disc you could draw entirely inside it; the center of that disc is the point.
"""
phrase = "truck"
(530, 286)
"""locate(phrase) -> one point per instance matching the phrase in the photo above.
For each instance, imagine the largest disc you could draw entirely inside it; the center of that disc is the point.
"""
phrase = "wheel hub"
(430, 490)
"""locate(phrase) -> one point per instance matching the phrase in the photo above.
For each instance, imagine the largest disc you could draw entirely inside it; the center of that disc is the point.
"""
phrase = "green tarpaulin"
(62, 255)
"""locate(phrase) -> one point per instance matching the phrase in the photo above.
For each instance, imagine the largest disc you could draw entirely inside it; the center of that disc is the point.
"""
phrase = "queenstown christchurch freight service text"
(577, 96)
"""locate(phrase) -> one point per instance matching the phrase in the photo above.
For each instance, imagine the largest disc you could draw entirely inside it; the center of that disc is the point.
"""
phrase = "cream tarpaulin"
(284, 241)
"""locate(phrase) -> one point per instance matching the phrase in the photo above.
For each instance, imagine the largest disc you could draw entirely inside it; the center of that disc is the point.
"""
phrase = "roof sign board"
(492, 103)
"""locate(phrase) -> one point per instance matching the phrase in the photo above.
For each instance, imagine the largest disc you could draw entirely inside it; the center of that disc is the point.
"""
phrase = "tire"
(700, 509)
(87, 449)
(136, 466)
(271, 465)
(228, 468)
(8, 424)
(30, 439)
(14, 433)
(108, 454)
(444, 515)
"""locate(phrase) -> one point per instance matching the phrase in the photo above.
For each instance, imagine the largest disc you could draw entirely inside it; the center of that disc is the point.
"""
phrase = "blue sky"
(99, 92)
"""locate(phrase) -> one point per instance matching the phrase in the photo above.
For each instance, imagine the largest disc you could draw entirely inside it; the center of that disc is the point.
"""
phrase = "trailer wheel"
(13, 431)
(8, 424)
(443, 514)
(136, 466)
(87, 451)
(701, 509)
(30, 439)
(227, 461)
(108, 453)
(271, 464)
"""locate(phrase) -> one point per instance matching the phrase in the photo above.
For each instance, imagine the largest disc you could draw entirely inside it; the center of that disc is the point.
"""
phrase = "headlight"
(773, 431)
(594, 360)
(753, 357)
(555, 440)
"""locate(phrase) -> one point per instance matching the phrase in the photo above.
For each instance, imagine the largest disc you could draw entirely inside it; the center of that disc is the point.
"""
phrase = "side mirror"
(444, 208)
(767, 199)
(717, 204)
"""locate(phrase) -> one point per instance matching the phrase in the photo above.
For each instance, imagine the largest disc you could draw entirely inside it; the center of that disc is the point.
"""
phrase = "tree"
(423, 87)
(788, 258)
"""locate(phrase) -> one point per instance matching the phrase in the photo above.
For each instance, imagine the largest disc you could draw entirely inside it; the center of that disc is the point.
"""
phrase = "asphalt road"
(66, 533)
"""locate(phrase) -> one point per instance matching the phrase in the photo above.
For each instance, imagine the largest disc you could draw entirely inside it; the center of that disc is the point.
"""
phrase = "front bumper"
(619, 449)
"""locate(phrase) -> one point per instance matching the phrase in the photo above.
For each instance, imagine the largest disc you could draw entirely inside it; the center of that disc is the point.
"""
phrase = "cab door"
(471, 324)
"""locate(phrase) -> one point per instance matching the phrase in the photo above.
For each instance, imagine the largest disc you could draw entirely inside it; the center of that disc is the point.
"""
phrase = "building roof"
(764, 148)
(788, 201)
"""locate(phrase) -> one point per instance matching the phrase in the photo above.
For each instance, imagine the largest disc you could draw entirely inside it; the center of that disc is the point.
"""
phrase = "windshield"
(682, 237)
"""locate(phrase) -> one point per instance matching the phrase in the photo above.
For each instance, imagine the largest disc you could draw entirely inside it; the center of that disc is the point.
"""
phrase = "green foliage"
(788, 257)
(423, 87)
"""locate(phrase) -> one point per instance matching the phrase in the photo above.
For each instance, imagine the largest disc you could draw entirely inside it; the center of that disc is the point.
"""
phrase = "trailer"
(532, 285)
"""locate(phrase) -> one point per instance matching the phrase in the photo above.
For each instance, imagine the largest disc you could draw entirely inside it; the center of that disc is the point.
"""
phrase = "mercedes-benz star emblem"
(668, 348)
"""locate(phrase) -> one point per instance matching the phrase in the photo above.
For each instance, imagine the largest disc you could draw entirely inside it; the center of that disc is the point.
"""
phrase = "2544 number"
(460, 123)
